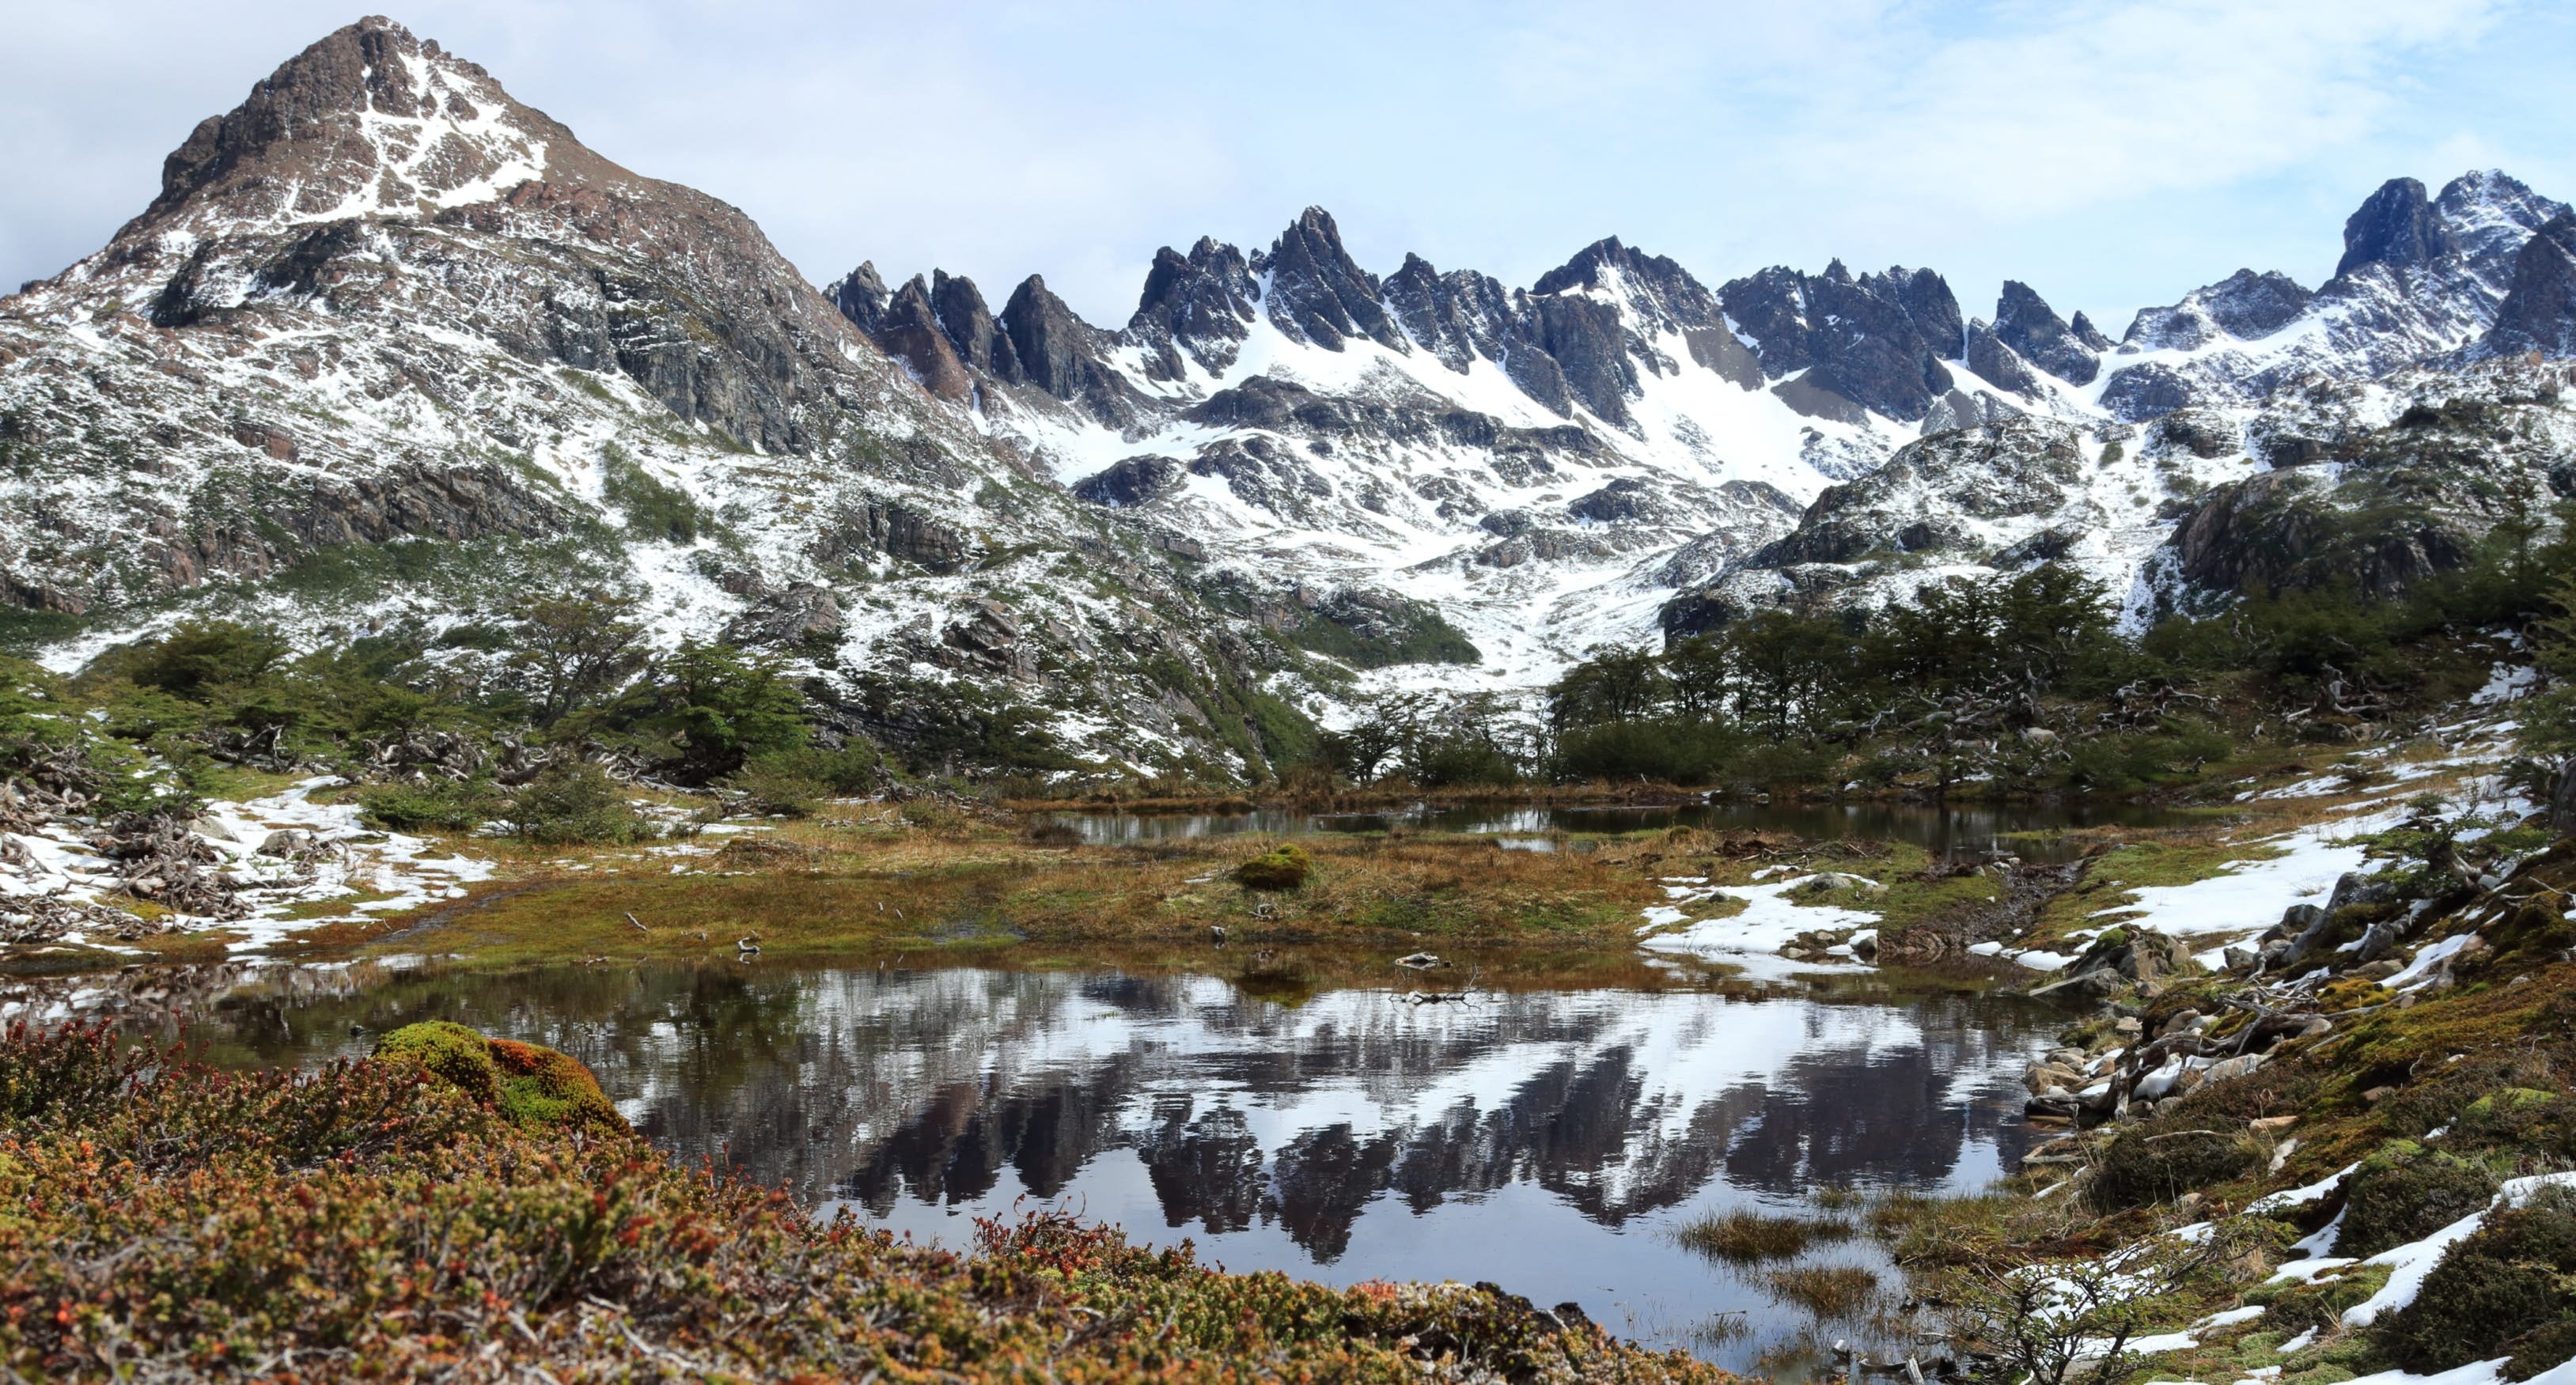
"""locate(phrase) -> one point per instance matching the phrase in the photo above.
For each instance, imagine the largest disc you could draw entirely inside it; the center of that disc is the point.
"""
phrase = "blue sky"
(2113, 154)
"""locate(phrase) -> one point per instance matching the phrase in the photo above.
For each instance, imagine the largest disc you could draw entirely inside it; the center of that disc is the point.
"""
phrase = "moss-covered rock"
(1283, 868)
(2406, 1192)
(449, 1051)
(534, 1087)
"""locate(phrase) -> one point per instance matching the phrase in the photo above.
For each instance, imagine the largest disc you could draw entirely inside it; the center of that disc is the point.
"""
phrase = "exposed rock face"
(1133, 481)
(2141, 392)
(988, 638)
(2397, 226)
(1878, 340)
(2539, 311)
(861, 296)
(969, 326)
(1991, 360)
(897, 531)
(1063, 355)
(2025, 322)
(910, 331)
(801, 614)
(2244, 304)
(1198, 304)
(1928, 495)
(1317, 293)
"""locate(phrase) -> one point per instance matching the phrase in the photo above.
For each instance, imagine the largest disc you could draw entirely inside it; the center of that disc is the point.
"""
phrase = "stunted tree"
(2548, 717)
(1612, 684)
(572, 649)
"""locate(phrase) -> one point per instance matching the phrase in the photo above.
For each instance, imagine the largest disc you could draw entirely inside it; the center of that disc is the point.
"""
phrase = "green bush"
(1282, 868)
(440, 805)
(2493, 1293)
(1671, 750)
(2406, 1192)
(2552, 1345)
(573, 804)
(2153, 1162)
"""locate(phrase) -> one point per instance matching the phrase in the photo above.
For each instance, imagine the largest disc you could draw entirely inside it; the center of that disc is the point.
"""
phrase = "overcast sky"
(2112, 154)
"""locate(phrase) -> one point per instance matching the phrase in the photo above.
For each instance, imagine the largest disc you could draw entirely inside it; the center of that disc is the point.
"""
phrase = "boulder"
(800, 614)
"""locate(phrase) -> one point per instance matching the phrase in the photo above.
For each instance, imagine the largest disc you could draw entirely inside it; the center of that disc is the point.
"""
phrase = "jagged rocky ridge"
(1545, 466)
(390, 343)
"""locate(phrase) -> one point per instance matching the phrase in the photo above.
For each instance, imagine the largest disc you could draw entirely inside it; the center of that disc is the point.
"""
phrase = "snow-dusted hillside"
(391, 347)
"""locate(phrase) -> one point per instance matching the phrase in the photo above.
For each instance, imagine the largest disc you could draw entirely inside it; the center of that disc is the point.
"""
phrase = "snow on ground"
(1753, 938)
(2249, 895)
(343, 858)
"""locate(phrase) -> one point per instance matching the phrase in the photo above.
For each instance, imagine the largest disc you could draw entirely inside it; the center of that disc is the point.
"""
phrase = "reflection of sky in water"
(1547, 1141)
(1944, 828)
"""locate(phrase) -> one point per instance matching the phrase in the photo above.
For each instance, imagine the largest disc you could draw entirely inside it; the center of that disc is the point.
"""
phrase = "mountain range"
(391, 348)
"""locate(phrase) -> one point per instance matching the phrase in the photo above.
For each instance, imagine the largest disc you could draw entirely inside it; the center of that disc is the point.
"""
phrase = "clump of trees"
(2028, 681)
(530, 719)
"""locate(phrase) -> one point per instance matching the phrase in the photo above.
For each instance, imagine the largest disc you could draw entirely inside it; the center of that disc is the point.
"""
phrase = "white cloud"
(2054, 108)
(2110, 152)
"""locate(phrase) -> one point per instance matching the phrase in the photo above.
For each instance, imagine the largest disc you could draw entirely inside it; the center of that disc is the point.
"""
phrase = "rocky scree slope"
(393, 347)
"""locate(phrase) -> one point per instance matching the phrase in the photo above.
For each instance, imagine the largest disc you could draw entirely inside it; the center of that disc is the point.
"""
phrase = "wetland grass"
(1745, 1238)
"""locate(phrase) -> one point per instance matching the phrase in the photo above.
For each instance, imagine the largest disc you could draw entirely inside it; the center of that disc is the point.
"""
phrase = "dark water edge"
(1549, 1140)
(2029, 830)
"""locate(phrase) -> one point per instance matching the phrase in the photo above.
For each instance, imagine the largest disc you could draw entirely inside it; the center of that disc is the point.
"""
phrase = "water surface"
(2025, 829)
(1551, 1141)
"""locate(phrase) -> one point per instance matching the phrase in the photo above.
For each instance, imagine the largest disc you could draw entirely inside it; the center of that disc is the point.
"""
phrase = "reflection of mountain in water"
(1592, 1101)
(878, 1087)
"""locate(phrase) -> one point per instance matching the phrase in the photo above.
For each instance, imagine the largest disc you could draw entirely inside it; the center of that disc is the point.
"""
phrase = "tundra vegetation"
(470, 1209)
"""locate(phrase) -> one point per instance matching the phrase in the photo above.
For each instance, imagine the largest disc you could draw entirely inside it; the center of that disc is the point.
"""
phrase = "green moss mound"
(531, 1086)
(2406, 1192)
(446, 1050)
(1283, 868)
(2495, 1293)
(544, 1089)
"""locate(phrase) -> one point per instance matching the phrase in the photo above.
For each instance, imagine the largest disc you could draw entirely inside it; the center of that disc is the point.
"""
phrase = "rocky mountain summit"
(391, 347)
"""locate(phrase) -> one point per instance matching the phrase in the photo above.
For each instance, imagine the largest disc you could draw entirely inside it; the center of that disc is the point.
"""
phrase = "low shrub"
(574, 804)
(441, 805)
(2406, 1192)
(2293, 1306)
(2493, 1293)
(1284, 867)
(2158, 1161)
(369, 1221)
